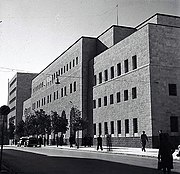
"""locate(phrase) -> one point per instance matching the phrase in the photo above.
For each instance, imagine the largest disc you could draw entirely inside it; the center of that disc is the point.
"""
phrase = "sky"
(35, 32)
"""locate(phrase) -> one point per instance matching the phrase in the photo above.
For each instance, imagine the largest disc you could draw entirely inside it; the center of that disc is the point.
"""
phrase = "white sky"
(34, 32)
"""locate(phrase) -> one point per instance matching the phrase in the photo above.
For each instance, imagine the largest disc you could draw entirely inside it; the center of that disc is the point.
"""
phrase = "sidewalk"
(118, 150)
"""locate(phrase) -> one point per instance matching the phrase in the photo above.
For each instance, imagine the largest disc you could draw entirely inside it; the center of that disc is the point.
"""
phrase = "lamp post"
(4, 111)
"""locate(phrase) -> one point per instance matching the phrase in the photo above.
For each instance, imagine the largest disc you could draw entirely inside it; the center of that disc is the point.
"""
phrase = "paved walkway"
(119, 150)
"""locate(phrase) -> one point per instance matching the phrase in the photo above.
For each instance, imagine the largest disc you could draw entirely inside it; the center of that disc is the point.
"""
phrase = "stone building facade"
(124, 82)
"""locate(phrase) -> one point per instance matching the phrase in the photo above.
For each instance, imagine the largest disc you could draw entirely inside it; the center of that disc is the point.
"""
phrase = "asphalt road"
(53, 161)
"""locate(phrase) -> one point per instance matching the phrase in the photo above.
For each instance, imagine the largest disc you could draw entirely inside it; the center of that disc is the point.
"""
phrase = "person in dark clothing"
(144, 139)
(109, 142)
(165, 153)
(71, 141)
(44, 141)
(99, 143)
(57, 140)
(40, 141)
(61, 140)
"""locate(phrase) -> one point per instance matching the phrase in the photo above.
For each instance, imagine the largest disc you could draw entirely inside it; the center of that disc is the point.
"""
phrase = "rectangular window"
(135, 125)
(95, 80)
(100, 129)
(100, 77)
(125, 95)
(57, 94)
(112, 127)
(94, 125)
(126, 126)
(105, 101)
(44, 100)
(99, 102)
(119, 126)
(65, 94)
(61, 71)
(76, 60)
(134, 62)
(172, 89)
(69, 65)
(174, 124)
(105, 128)
(134, 93)
(64, 69)
(94, 104)
(111, 99)
(74, 86)
(54, 95)
(50, 98)
(71, 88)
(61, 92)
(118, 69)
(126, 69)
(73, 62)
(106, 75)
(112, 72)
(118, 97)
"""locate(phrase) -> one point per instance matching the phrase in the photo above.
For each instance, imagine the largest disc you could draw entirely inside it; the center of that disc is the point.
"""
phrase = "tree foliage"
(11, 130)
(20, 129)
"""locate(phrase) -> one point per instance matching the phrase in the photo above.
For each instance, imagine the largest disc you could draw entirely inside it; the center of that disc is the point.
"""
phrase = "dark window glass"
(57, 94)
(172, 89)
(95, 80)
(119, 126)
(105, 128)
(64, 69)
(125, 95)
(73, 62)
(100, 77)
(174, 124)
(54, 95)
(111, 99)
(134, 93)
(94, 103)
(65, 94)
(69, 65)
(106, 75)
(135, 125)
(99, 102)
(61, 92)
(126, 126)
(134, 62)
(76, 60)
(94, 128)
(71, 88)
(118, 69)
(105, 101)
(112, 72)
(100, 129)
(126, 69)
(74, 86)
(112, 127)
(118, 97)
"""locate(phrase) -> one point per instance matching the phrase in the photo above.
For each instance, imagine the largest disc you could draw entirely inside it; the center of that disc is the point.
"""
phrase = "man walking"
(99, 143)
(144, 139)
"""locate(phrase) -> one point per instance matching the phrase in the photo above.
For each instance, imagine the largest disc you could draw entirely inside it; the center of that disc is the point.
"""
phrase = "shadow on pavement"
(31, 163)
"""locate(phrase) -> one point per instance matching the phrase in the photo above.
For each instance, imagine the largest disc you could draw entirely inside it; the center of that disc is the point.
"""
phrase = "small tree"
(20, 129)
(11, 130)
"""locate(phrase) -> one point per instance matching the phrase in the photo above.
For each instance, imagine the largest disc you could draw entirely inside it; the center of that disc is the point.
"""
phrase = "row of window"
(118, 71)
(42, 102)
(12, 91)
(54, 76)
(118, 98)
(174, 126)
(112, 127)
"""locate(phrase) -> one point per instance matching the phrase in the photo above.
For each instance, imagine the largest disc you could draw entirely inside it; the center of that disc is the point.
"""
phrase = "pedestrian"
(166, 150)
(44, 141)
(40, 141)
(99, 142)
(144, 139)
(57, 140)
(61, 140)
(71, 141)
(109, 142)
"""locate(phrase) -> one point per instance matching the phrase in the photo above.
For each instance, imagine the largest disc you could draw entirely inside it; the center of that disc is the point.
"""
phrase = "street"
(51, 161)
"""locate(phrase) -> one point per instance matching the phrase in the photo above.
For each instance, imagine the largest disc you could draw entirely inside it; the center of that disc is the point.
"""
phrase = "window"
(94, 104)
(112, 127)
(99, 102)
(65, 94)
(69, 65)
(174, 124)
(48, 99)
(119, 126)
(111, 99)
(61, 92)
(134, 62)
(61, 71)
(44, 100)
(118, 69)
(118, 97)
(126, 126)
(74, 86)
(73, 62)
(135, 125)
(100, 129)
(71, 88)
(112, 72)
(57, 93)
(134, 93)
(94, 125)
(172, 89)
(106, 75)
(105, 128)
(100, 77)
(76, 60)
(105, 101)
(54, 95)
(64, 69)
(95, 80)
(125, 95)
(126, 69)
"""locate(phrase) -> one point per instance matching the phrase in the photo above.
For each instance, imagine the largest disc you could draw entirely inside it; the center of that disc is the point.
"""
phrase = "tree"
(20, 129)
(11, 130)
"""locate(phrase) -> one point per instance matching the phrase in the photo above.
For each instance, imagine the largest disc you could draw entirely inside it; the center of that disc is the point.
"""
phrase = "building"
(124, 82)
(19, 90)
